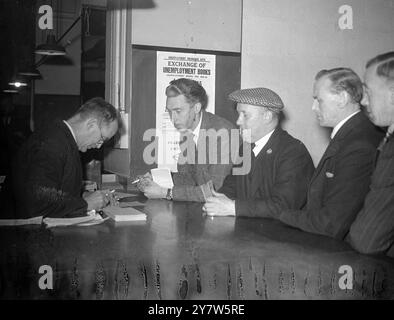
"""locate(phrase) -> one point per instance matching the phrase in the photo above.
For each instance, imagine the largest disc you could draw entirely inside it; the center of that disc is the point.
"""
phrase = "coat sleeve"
(43, 191)
(289, 190)
(191, 191)
(229, 187)
(373, 230)
(188, 180)
(343, 195)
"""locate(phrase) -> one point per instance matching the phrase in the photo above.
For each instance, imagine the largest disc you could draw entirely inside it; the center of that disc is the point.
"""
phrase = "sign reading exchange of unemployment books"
(175, 65)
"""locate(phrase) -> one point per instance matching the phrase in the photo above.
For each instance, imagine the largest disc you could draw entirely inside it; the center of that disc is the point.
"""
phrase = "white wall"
(285, 43)
(191, 24)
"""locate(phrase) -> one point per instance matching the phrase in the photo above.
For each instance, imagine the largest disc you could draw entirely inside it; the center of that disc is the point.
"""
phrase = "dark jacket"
(340, 182)
(277, 181)
(190, 176)
(373, 230)
(47, 175)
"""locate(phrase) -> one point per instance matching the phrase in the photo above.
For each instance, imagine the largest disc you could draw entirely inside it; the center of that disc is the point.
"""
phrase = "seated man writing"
(47, 172)
(280, 169)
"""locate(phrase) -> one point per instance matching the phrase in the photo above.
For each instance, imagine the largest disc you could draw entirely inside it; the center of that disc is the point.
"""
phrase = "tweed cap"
(262, 97)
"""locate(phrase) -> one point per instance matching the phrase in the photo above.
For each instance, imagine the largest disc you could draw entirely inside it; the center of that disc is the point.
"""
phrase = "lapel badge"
(269, 151)
(329, 175)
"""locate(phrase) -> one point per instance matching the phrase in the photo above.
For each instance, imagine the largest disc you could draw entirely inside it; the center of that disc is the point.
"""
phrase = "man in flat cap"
(281, 166)
(341, 180)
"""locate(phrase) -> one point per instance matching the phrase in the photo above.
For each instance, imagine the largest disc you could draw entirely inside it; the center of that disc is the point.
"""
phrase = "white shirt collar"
(196, 131)
(340, 124)
(71, 130)
(259, 144)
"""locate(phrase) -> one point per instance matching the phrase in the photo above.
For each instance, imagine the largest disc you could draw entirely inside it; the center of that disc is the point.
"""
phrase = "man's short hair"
(191, 89)
(344, 79)
(99, 109)
(385, 65)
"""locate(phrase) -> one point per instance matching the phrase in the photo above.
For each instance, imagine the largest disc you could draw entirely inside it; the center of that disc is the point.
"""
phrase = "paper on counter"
(162, 176)
(20, 222)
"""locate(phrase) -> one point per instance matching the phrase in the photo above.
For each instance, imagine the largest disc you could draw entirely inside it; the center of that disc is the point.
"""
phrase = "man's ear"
(90, 123)
(343, 98)
(267, 115)
(197, 107)
(391, 94)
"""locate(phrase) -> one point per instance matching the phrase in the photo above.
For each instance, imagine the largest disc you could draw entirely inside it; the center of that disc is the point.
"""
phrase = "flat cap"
(262, 97)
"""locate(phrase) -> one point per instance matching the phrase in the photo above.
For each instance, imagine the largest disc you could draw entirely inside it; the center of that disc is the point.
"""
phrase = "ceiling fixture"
(10, 90)
(51, 47)
(32, 73)
(18, 82)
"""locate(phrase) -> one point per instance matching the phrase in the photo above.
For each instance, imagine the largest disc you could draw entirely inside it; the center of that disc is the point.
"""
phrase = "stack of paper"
(124, 214)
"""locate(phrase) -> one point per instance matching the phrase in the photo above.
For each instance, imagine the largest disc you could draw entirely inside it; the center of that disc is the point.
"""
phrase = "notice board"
(143, 107)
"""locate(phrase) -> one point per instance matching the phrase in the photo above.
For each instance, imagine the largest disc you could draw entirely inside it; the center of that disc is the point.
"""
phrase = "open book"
(20, 222)
(92, 218)
(124, 214)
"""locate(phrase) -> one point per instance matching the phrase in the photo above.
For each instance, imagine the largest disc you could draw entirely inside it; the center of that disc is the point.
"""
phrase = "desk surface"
(179, 254)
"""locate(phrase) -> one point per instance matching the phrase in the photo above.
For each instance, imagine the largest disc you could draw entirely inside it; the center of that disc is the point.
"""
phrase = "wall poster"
(170, 66)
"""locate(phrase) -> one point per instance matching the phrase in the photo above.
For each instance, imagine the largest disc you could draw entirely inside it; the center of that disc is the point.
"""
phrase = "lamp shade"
(31, 72)
(50, 48)
(18, 82)
(10, 90)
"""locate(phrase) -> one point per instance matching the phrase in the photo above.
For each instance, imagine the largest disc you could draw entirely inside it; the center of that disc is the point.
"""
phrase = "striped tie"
(382, 144)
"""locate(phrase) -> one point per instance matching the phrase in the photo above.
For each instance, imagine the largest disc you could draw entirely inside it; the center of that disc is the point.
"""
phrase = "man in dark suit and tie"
(341, 180)
(281, 166)
(373, 230)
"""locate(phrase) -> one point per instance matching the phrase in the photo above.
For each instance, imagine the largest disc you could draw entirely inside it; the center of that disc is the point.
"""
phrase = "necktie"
(188, 147)
(382, 144)
(252, 161)
(253, 157)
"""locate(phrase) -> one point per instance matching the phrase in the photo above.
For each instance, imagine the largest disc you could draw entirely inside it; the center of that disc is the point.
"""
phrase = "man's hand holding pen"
(99, 199)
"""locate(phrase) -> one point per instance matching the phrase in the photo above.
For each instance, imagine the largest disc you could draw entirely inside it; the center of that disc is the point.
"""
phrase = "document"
(92, 218)
(162, 176)
(124, 214)
(20, 222)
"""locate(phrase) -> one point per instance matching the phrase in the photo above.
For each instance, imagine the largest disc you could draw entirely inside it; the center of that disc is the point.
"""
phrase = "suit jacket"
(190, 176)
(278, 178)
(47, 175)
(340, 182)
(373, 229)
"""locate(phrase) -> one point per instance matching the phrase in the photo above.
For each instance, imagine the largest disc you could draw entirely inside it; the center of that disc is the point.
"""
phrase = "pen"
(111, 191)
(135, 181)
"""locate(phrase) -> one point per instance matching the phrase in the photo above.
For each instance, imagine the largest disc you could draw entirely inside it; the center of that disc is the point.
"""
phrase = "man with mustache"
(202, 132)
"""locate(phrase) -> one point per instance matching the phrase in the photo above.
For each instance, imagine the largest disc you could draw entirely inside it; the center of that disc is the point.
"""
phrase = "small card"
(206, 189)
(162, 177)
